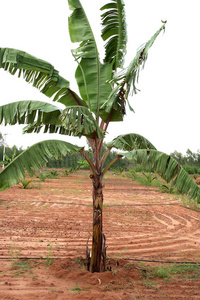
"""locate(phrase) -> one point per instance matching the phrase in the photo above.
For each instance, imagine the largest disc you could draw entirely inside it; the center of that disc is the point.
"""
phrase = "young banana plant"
(104, 88)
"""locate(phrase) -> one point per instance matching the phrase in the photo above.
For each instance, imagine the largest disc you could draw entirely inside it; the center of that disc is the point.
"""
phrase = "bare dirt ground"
(50, 224)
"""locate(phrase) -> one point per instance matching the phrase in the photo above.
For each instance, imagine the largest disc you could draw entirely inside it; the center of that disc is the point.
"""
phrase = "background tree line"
(10, 152)
(190, 161)
(68, 161)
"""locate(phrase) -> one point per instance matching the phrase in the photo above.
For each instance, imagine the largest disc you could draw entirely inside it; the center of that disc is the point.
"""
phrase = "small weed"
(20, 267)
(81, 263)
(49, 259)
(107, 287)
(35, 277)
(76, 289)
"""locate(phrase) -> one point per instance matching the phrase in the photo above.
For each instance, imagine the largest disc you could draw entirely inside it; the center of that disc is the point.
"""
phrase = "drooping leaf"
(129, 142)
(27, 112)
(36, 127)
(125, 79)
(132, 74)
(76, 121)
(168, 168)
(114, 32)
(80, 120)
(91, 75)
(32, 159)
(114, 106)
(40, 73)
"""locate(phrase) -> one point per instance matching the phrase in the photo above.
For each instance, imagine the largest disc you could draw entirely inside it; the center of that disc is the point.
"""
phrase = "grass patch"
(182, 271)
(151, 284)
(186, 201)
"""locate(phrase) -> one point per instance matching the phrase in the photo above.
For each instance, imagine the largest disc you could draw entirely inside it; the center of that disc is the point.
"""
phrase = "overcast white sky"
(166, 109)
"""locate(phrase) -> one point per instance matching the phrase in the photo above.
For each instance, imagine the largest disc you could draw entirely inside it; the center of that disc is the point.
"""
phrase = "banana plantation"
(103, 96)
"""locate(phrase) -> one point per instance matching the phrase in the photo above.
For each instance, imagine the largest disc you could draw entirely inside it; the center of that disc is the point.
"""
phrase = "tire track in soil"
(131, 232)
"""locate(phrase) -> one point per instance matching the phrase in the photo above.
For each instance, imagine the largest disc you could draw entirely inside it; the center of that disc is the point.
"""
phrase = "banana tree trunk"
(96, 260)
(98, 238)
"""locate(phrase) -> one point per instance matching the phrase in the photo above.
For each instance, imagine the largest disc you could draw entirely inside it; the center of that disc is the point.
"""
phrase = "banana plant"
(103, 97)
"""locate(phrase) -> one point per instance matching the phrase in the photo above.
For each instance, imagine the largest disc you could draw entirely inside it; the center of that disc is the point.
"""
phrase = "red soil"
(54, 220)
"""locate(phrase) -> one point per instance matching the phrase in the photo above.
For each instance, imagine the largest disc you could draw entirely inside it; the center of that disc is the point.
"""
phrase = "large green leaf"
(81, 119)
(40, 73)
(125, 79)
(76, 121)
(129, 142)
(32, 159)
(27, 112)
(132, 75)
(114, 106)
(168, 168)
(91, 75)
(114, 32)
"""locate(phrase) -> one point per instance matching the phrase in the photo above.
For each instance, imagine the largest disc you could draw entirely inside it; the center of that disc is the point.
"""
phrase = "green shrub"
(53, 173)
(66, 172)
(24, 184)
(148, 179)
(118, 170)
(83, 164)
(42, 176)
(168, 188)
(191, 169)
